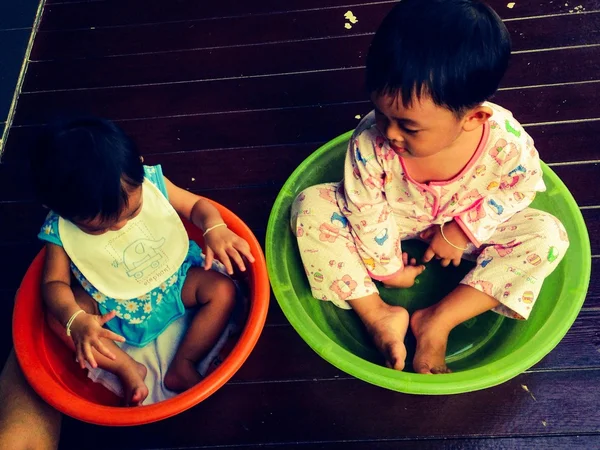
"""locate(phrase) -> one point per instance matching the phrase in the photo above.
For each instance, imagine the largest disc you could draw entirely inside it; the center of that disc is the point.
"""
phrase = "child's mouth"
(398, 150)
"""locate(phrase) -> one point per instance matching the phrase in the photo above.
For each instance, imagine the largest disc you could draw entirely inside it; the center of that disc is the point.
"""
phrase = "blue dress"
(139, 320)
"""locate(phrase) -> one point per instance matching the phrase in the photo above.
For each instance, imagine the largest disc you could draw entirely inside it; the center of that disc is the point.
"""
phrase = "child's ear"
(476, 117)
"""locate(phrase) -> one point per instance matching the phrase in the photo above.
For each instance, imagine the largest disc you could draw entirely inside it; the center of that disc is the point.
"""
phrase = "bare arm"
(87, 329)
(194, 208)
(220, 242)
(56, 284)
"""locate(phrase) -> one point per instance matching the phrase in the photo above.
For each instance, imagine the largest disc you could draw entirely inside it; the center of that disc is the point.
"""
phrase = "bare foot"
(182, 375)
(430, 356)
(406, 278)
(387, 327)
(135, 390)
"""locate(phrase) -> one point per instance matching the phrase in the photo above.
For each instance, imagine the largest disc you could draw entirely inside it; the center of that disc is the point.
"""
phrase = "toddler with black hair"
(119, 265)
(435, 161)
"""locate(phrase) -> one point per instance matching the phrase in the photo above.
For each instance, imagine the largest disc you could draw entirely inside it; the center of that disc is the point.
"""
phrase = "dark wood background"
(230, 97)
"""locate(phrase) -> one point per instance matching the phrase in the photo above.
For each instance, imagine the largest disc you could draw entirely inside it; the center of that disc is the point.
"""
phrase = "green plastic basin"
(482, 352)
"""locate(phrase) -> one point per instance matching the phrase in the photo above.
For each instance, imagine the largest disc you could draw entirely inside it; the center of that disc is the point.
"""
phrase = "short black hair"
(455, 51)
(83, 168)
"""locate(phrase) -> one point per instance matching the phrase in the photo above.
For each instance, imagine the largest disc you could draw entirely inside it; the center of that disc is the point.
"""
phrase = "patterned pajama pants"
(511, 266)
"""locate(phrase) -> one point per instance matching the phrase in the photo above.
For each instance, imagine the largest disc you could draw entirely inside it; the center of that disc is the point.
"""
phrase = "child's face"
(420, 130)
(99, 226)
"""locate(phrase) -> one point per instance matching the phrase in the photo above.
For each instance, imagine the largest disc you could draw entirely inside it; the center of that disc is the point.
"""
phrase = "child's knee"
(223, 292)
(554, 235)
(314, 205)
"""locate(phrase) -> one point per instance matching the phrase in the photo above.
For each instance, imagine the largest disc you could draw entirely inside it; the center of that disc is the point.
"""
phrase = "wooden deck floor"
(230, 97)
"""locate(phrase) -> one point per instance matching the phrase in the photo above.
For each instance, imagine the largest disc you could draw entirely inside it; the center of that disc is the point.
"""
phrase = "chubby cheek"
(423, 146)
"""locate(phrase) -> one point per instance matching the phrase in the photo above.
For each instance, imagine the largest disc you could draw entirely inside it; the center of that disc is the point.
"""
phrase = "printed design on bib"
(142, 255)
(144, 259)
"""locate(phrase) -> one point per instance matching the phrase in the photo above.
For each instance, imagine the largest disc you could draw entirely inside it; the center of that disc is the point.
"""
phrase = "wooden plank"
(297, 361)
(254, 206)
(115, 13)
(93, 41)
(187, 10)
(525, 68)
(229, 31)
(561, 142)
(202, 170)
(593, 300)
(571, 442)
(112, 13)
(579, 347)
(243, 414)
(592, 221)
(575, 178)
(535, 104)
(565, 142)
(285, 127)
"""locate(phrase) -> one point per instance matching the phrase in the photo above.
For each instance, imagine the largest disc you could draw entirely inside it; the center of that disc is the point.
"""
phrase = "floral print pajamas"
(350, 233)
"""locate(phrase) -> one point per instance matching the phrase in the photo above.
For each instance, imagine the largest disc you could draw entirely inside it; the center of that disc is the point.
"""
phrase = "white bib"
(132, 261)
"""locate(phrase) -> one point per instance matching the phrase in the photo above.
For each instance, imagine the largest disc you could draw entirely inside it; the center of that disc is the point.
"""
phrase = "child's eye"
(409, 131)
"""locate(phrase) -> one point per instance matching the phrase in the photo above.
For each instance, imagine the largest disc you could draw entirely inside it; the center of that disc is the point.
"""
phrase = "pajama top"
(379, 197)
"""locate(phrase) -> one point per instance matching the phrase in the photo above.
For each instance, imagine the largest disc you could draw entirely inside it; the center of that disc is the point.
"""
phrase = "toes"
(395, 357)
(139, 395)
(422, 368)
(135, 398)
(425, 368)
(398, 365)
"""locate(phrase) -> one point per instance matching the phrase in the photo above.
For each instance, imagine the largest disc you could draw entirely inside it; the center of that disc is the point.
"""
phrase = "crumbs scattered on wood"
(357, 116)
(526, 389)
(577, 9)
(511, 5)
(351, 18)
(544, 423)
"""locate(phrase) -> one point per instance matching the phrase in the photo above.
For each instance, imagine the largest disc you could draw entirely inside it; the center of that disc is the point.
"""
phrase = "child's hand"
(406, 277)
(440, 248)
(86, 331)
(225, 245)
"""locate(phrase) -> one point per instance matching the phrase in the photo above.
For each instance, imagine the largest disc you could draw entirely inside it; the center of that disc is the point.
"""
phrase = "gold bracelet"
(213, 227)
(446, 239)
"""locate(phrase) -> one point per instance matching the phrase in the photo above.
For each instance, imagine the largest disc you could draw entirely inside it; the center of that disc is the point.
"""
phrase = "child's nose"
(392, 132)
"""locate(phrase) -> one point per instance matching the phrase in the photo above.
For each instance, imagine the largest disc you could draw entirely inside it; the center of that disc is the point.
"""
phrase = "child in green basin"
(436, 161)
